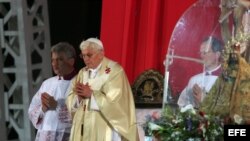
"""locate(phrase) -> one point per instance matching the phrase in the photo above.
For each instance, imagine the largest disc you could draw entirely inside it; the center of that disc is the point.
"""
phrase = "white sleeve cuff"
(41, 115)
(76, 103)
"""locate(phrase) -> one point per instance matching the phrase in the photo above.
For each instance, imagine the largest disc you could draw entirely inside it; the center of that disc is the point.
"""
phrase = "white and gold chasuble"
(113, 97)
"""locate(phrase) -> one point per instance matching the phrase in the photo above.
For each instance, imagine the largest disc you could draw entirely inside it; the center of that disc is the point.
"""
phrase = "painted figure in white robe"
(48, 111)
(100, 99)
(200, 84)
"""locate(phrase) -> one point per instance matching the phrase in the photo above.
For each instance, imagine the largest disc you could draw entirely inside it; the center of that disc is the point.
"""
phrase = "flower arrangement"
(184, 125)
(150, 124)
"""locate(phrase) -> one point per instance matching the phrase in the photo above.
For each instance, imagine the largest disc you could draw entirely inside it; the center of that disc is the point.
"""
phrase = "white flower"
(175, 134)
(153, 126)
(176, 121)
(188, 107)
(238, 119)
(192, 139)
(215, 132)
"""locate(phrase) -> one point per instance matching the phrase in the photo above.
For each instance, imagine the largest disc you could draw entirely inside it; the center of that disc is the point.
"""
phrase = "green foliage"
(184, 125)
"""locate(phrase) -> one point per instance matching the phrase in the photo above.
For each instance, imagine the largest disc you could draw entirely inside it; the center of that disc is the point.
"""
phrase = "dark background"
(73, 21)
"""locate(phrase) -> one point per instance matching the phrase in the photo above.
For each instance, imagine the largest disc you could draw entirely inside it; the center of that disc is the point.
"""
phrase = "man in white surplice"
(47, 110)
(200, 84)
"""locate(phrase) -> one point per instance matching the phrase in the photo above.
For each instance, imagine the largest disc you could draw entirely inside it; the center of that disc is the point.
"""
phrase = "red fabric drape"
(136, 33)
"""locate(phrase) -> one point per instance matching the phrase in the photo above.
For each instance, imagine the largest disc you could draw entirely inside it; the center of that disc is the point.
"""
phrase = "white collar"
(93, 72)
(215, 69)
(96, 69)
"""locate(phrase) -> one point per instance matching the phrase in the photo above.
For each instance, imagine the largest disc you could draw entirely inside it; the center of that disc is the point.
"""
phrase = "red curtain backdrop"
(136, 33)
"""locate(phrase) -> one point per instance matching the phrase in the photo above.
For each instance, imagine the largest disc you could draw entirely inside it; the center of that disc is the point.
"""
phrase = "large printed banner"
(201, 20)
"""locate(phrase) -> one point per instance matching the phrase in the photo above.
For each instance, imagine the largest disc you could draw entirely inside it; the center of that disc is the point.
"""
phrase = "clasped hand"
(197, 93)
(83, 90)
(48, 102)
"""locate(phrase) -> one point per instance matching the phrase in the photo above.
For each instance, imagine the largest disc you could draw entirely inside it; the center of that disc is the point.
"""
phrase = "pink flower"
(156, 115)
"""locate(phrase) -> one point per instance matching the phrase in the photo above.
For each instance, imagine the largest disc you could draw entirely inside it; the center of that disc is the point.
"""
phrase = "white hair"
(91, 43)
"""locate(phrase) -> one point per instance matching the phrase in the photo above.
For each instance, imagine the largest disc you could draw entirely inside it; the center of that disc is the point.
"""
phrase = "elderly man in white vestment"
(100, 100)
(48, 111)
(199, 85)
